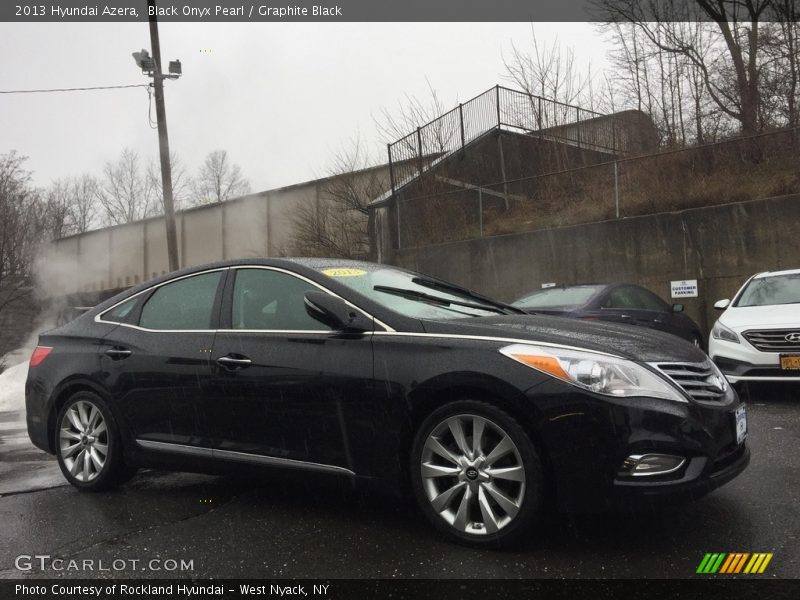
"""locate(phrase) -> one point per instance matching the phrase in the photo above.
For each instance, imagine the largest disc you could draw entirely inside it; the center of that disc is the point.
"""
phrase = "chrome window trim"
(273, 461)
(98, 319)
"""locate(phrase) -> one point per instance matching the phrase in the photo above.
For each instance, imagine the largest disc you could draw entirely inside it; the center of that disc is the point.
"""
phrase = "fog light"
(639, 465)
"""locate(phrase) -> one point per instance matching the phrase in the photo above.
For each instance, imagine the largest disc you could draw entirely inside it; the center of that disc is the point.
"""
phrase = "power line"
(77, 89)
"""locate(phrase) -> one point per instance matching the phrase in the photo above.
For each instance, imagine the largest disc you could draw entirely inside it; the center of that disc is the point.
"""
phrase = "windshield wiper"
(440, 285)
(437, 300)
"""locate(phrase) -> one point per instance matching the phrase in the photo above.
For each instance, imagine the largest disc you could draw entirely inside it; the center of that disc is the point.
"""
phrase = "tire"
(88, 446)
(460, 488)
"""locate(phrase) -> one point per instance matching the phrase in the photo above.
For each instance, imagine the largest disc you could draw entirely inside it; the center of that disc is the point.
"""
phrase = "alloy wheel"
(473, 474)
(83, 441)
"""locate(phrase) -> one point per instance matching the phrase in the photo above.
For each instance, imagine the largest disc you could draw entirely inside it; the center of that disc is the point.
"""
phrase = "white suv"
(757, 338)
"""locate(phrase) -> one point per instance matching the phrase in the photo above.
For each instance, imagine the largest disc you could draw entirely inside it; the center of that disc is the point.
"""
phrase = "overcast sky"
(280, 98)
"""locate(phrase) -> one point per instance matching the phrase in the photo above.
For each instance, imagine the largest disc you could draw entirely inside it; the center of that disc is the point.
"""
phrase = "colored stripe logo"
(734, 562)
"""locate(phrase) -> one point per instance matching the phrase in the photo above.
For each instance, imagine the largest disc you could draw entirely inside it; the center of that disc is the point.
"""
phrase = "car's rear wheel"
(476, 474)
(87, 444)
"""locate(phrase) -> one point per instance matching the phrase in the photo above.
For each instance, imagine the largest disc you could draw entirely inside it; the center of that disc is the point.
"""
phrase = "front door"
(286, 389)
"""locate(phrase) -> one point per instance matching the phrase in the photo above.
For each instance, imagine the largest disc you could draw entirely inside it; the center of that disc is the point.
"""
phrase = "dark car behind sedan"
(614, 302)
(377, 374)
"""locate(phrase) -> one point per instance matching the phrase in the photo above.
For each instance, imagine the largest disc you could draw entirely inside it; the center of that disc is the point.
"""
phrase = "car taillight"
(39, 354)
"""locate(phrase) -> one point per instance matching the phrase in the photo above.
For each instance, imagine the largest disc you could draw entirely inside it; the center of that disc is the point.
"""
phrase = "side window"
(649, 301)
(264, 299)
(183, 304)
(621, 297)
(121, 312)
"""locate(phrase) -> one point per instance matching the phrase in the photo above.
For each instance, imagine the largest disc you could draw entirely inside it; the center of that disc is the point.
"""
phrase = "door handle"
(231, 363)
(118, 353)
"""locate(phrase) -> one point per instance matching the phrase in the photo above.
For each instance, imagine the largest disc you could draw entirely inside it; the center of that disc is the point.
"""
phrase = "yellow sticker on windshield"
(342, 272)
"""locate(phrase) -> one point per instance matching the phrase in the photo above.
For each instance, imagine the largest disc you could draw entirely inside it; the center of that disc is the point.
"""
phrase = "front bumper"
(742, 362)
(588, 444)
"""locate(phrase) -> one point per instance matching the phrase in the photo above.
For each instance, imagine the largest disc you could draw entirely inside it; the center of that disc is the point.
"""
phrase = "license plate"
(741, 424)
(790, 361)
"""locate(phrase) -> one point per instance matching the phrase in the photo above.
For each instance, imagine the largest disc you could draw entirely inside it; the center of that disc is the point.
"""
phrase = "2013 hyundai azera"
(385, 376)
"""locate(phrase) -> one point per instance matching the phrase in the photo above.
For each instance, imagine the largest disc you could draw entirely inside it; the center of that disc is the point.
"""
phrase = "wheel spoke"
(436, 446)
(506, 503)
(70, 450)
(76, 465)
(94, 415)
(442, 501)
(82, 414)
(87, 465)
(478, 425)
(75, 419)
(510, 473)
(101, 448)
(503, 447)
(97, 460)
(457, 429)
(489, 518)
(431, 470)
(101, 427)
(68, 434)
(463, 510)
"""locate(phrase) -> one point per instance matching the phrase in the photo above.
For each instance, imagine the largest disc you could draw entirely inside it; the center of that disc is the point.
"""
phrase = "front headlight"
(720, 332)
(597, 373)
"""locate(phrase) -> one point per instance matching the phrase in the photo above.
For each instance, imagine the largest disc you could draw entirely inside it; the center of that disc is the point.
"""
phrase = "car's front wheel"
(87, 444)
(476, 474)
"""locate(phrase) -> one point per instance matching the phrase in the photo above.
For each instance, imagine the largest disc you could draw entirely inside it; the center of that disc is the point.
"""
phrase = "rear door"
(286, 390)
(157, 361)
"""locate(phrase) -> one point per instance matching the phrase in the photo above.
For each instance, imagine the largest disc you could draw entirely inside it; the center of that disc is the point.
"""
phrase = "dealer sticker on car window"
(342, 272)
(741, 424)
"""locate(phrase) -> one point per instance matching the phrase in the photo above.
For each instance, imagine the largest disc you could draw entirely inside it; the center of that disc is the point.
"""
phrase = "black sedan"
(369, 372)
(614, 302)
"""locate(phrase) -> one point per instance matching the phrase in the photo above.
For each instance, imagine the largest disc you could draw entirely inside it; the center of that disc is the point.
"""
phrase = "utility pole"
(152, 66)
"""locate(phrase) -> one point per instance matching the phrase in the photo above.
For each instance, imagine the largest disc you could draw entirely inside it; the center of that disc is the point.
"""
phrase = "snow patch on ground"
(12, 387)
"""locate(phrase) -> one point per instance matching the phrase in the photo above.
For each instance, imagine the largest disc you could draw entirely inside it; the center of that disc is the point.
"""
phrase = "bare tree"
(335, 224)
(21, 228)
(219, 179)
(123, 192)
(71, 205)
(181, 183)
(730, 67)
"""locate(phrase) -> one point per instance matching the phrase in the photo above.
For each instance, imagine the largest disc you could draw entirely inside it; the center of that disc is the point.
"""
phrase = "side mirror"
(335, 313)
(722, 304)
(677, 308)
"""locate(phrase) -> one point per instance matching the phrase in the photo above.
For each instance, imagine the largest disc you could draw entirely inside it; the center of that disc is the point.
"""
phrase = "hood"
(635, 343)
(776, 316)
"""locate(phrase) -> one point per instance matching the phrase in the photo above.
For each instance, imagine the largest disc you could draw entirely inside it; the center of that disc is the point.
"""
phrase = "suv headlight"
(720, 332)
(594, 372)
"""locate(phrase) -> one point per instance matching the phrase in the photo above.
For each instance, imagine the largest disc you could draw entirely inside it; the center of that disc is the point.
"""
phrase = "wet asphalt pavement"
(286, 529)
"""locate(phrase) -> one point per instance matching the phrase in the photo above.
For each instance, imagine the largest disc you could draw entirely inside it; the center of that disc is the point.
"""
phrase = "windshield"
(411, 294)
(777, 289)
(559, 297)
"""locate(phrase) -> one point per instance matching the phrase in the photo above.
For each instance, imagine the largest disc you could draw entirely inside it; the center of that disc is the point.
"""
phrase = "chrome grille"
(775, 340)
(700, 380)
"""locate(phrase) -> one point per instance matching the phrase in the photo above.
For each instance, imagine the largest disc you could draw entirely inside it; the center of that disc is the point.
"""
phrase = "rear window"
(559, 297)
(183, 304)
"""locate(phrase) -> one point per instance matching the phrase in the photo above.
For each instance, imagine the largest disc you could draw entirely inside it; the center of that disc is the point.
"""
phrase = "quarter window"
(184, 304)
(264, 299)
(121, 313)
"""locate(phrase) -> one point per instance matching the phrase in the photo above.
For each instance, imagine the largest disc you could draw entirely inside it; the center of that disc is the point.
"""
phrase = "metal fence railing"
(735, 170)
(499, 108)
